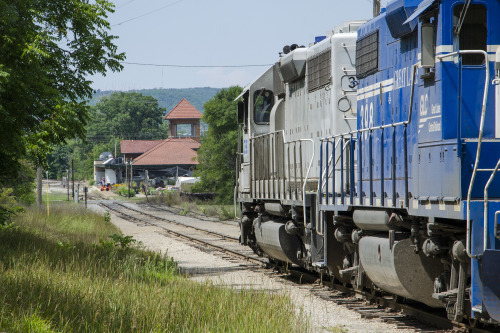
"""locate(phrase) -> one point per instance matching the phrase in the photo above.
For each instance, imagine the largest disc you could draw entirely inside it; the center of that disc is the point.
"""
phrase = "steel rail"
(177, 211)
(173, 222)
(222, 249)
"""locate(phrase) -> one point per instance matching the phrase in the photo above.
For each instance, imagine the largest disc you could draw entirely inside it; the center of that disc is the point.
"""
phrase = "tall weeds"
(62, 274)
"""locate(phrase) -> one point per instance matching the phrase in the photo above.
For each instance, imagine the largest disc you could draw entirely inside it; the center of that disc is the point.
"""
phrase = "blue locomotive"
(372, 154)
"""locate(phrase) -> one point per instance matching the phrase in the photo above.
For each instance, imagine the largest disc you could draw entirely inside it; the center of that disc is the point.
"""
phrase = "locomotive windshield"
(470, 23)
(263, 101)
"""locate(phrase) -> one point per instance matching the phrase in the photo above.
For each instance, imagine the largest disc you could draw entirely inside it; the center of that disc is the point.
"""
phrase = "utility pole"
(39, 175)
(376, 8)
(126, 171)
(67, 182)
(73, 178)
(147, 184)
(48, 208)
(131, 175)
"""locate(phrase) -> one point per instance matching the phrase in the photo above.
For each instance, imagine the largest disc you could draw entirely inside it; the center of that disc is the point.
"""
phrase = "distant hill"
(168, 98)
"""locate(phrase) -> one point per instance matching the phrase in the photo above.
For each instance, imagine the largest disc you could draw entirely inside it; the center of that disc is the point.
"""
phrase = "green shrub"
(125, 192)
(57, 274)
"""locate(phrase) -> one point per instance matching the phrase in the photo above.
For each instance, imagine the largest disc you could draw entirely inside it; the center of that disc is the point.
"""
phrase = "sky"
(214, 33)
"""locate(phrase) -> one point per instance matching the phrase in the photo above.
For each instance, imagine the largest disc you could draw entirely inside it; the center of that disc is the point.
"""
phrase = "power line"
(124, 4)
(151, 12)
(193, 66)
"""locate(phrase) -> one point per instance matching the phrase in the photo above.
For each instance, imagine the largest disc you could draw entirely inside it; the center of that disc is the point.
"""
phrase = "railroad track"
(213, 240)
(369, 306)
(180, 211)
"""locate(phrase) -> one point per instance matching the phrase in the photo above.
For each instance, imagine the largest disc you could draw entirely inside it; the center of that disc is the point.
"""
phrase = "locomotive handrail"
(305, 181)
(330, 163)
(308, 168)
(480, 138)
(354, 137)
(486, 216)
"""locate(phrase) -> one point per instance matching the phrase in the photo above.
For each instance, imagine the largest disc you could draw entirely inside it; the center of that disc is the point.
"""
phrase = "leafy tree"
(127, 116)
(47, 50)
(217, 154)
(169, 98)
(119, 116)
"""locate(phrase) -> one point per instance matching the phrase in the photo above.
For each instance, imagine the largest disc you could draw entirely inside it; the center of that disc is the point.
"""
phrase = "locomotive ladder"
(478, 154)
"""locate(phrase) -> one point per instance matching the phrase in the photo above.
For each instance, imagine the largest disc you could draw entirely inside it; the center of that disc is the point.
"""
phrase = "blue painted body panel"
(485, 271)
(490, 271)
(441, 139)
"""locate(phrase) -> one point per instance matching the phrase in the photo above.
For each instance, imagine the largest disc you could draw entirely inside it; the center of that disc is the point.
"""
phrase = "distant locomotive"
(371, 156)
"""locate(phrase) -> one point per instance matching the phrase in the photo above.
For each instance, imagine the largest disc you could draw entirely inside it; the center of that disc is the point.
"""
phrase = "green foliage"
(126, 116)
(217, 153)
(66, 246)
(47, 51)
(225, 214)
(169, 98)
(20, 178)
(8, 206)
(119, 116)
(123, 241)
(107, 217)
(45, 287)
(125, 192)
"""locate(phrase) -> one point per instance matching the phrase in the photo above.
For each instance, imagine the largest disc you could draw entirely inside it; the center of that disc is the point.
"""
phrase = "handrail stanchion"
(320, 187)
(486, 188)
(352, 148)
(407, 197)
(334, 164)
(327, 173)
(360, 168)
(394, 167)
(382, 165)
(370, 152)
(342, 193)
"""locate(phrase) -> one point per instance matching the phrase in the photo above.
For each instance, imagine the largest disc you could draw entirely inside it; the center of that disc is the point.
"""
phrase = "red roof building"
(171, 152)
(135, 148)
(184, 121)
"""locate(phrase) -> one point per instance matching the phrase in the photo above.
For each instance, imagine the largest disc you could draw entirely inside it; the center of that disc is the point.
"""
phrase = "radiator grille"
(367, 55)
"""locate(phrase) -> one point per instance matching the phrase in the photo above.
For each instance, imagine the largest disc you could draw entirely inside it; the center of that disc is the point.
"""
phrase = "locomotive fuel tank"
(397, 269)
(274, 241)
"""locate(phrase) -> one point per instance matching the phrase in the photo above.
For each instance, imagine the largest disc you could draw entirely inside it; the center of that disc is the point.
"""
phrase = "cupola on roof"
(183, 110)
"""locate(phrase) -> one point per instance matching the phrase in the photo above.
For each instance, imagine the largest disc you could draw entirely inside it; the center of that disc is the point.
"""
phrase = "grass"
(64, 274)
(56, 196)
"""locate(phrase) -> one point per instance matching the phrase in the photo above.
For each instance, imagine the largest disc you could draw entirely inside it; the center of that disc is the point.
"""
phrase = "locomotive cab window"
(263, 101)
(470, 31)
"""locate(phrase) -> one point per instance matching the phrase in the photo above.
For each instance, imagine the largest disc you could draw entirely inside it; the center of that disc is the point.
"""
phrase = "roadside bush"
(125, 192)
